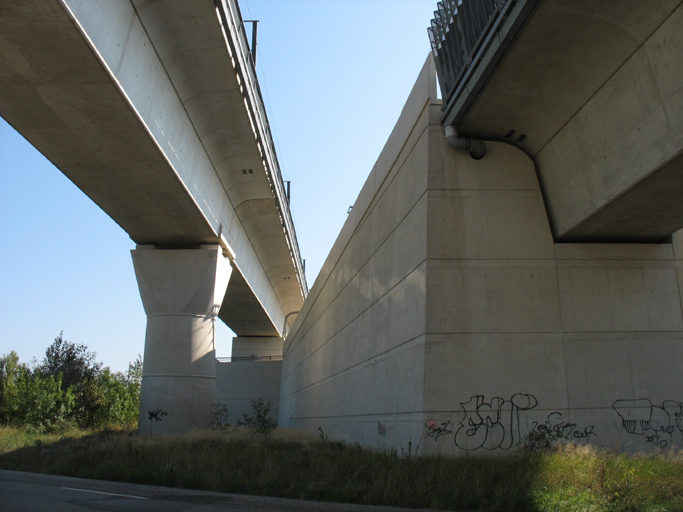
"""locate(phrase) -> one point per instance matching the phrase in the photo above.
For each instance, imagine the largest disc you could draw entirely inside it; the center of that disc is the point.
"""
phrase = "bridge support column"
(181, 292)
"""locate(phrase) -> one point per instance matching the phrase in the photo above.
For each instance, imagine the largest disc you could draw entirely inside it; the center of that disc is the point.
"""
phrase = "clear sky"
(334, 75)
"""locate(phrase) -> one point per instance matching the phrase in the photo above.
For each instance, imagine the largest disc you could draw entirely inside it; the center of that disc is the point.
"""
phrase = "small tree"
(134, 373)
(259, 422)
(219, 417)
(120, 399)
(39, 398)
(109, 397)
(10, 370)
(73, 360)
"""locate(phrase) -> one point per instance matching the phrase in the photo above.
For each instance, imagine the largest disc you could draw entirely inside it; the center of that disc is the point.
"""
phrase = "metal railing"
(248, 358)
(457, 30)
(238, 46)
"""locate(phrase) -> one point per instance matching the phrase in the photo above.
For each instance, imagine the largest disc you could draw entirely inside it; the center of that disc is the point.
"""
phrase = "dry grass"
(296, 464)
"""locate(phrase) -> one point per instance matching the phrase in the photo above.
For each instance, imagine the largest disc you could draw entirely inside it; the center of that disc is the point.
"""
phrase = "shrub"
(40, 399)
(30, 397)
(219, 417)
(542, 438)
(259, 422)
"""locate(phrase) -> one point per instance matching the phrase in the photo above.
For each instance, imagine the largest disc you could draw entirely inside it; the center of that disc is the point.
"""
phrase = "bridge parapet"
(455, 33)
(468, 39)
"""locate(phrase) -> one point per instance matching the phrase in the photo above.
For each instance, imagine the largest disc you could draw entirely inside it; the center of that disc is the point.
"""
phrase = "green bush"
(73, 361)
(31, 398)
(219, 417)
(90, 397)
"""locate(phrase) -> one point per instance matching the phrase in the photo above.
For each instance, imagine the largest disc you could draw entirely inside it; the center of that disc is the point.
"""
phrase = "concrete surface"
(152, 110)
(448, 319)
(593, 93)
(258, 347)
(181, 291)
(240, 382)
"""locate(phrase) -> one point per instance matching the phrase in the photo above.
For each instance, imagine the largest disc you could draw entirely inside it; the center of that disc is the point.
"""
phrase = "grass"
(294, 464)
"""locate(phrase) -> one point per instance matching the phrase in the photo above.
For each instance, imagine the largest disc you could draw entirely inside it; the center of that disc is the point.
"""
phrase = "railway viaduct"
(532, 284)
(514, 261)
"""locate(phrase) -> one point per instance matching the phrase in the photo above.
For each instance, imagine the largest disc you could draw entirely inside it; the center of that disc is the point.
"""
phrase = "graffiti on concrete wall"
(562, 429)
(381, 429)
(494, 424)
(437, 430)
(156, 414)
(656, 424)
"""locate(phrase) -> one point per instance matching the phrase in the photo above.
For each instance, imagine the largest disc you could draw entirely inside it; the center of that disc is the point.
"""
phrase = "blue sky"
(334, 76)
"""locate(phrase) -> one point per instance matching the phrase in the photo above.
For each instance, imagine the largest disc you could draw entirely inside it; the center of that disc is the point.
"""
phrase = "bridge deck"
(152, 109)
(592, 92)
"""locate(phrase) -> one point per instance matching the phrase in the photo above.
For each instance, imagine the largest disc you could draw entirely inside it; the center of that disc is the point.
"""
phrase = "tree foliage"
(29, 397)
(69, 386)
(73, 360)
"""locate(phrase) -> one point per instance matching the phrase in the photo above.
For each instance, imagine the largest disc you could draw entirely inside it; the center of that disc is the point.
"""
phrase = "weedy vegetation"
(296, 464)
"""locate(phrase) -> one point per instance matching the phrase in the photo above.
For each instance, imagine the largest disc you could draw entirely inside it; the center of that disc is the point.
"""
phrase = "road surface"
(24, 492)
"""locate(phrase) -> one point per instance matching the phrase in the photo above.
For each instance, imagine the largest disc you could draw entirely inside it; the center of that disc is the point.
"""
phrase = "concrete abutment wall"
(447, 317)
(240, 382)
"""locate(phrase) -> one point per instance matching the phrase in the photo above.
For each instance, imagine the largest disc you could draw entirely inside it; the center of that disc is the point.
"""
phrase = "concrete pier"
(181, 292)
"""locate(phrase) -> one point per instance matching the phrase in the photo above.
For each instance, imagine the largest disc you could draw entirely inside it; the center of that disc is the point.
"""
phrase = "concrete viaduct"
(591, 91)
(466, 302)
(153, 110)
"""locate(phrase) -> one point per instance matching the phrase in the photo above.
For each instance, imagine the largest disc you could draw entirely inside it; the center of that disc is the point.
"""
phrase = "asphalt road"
(32, 492)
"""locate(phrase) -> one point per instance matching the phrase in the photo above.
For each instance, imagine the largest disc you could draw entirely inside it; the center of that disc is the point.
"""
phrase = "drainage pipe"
(284, 327)
(475, 147)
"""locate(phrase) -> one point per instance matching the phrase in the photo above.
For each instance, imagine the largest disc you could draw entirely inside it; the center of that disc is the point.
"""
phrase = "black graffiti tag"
(554, 423)
(156, 414)
(656, 424)
(436, 431)
(493, 424)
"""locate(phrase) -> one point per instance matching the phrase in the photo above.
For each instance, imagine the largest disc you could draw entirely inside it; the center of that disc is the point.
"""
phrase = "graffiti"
(656, 440)
(556, 426)
(656, 424)
(156, 414)
(436, 431)
(493, 424)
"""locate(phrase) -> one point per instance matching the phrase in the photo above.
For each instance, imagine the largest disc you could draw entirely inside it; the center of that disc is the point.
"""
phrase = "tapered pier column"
(181, 292)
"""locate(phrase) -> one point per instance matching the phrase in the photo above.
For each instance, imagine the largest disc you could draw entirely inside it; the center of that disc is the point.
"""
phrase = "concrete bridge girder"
(164, 155)
(592, 92)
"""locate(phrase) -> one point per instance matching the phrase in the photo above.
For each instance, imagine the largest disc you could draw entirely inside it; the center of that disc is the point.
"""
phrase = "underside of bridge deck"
(593, 92)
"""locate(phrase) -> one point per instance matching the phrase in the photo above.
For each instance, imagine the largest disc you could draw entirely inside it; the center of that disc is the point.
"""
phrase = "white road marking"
(109, 493)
